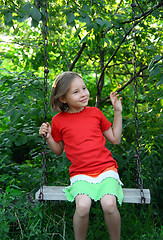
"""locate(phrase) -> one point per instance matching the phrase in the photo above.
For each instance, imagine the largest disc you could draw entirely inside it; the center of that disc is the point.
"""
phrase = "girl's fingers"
(114, 94)
(44, 129)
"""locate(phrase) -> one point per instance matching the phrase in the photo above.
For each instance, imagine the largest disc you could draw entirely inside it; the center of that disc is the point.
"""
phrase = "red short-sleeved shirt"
(83, 140)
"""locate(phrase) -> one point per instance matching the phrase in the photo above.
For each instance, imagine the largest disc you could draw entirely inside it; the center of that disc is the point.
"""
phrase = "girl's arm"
(56, 147)
(113, 134)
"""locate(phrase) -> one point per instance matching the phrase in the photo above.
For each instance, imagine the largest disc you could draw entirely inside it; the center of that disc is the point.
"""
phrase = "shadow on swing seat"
(131, 195)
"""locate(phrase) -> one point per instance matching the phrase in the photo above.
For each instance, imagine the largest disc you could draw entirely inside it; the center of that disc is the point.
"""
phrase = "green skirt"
(95, 190)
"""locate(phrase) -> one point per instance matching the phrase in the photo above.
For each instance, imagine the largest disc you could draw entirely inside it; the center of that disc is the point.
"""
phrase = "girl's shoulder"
(58, 115)
(91, 108)
(94, 109)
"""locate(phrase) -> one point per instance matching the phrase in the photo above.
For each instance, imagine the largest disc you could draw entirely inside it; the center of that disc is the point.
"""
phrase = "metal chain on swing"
(44, 178)
(137, 136)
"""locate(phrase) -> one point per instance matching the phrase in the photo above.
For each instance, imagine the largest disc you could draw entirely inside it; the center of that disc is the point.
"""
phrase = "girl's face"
(77, 96)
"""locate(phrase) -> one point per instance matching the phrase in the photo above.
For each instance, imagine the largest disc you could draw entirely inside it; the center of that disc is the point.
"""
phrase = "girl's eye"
(76, 92)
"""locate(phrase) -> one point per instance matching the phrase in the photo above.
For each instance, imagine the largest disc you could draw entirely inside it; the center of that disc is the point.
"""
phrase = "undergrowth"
(23, 218)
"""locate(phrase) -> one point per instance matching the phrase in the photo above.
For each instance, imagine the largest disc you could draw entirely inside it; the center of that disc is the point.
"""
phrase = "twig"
(94, 70)
(14, 4)
(140, 7)
(118, 6)
(19, 224)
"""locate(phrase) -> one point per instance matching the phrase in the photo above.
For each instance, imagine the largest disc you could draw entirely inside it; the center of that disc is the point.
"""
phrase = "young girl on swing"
(82, 130)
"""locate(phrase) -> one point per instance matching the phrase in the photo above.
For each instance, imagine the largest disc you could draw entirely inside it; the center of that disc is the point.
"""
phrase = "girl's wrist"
(49, 138)
(117, 111)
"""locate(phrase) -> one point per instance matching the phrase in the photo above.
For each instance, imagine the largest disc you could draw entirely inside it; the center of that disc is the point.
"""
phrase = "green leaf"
(108, 24)
(86, 19)
(35, 14)
(100, 22)
(20, 140)
(14, 116)
(22, 19)
(3, 165)
(116, 24)
(34, 23)
(77, 32)
(72, 24)
(155, 58)
(90, 26)
(159, 83)
(9, 113)
(24, 140)
(4, 177)
(156, 14)
(26, 8)
(14, 192)
(96, 27)
(8, 17)
(84, 39)
(26, 100)
(70, 17)
(86, 7)
(156, 70)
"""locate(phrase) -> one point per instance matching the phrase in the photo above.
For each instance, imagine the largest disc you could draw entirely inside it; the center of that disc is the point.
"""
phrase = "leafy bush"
(20, 166)
(21, 114)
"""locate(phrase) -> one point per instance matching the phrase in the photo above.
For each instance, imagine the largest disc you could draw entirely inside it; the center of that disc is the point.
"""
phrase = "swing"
(140, 195)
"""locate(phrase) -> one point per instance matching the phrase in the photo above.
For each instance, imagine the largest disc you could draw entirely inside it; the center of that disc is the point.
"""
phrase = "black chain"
(137, 136)
(44, 178)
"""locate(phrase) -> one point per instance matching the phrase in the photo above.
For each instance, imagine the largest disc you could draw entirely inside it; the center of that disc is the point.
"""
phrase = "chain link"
(137, 136)
(44, 178)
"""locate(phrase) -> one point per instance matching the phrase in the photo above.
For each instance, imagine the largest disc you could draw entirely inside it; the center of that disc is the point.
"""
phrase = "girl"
(82, 130)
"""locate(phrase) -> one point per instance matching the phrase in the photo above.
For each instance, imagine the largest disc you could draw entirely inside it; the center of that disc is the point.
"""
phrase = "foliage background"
(92, 38)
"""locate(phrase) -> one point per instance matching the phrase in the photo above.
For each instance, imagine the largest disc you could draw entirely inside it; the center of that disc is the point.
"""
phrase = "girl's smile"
(84, 100)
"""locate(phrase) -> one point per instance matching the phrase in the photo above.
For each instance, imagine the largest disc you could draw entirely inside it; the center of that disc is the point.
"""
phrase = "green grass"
(53, 220)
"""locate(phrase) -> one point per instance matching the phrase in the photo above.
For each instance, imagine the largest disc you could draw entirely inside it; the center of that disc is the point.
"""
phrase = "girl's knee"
(83, 204)
(108, 203)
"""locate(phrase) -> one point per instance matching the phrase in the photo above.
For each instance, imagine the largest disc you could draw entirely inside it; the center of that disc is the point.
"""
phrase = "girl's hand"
(45, 130)
(117, 105)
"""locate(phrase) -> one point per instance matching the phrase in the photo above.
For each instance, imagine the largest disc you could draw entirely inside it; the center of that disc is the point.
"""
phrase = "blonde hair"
(59, 89)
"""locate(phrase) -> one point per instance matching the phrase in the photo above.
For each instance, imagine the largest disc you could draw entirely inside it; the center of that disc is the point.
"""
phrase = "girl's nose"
(82, 93)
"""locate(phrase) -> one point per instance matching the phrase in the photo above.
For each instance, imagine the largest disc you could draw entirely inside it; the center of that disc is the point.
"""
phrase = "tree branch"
(148, 12)
(137, 22)
(113, 55)
(126, 84)
(130, 81)
(77, 56)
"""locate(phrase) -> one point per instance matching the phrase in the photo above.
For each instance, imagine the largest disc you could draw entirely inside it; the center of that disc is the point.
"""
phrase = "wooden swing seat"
(130, 195)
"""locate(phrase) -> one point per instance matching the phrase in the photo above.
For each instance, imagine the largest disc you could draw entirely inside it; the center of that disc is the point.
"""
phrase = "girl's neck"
(75, 111)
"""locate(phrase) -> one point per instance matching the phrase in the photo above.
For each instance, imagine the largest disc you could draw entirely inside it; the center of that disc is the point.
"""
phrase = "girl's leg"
(112, 216)
(81, 216)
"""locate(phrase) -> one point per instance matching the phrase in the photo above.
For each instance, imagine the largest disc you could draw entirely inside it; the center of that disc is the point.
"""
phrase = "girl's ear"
(63, 100)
